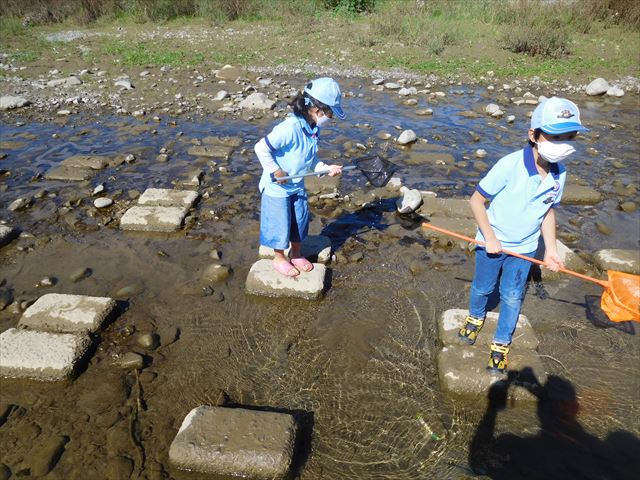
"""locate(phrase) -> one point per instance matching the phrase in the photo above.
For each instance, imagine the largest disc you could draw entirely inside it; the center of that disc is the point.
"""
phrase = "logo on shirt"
(556, 186)
(549, 200)
(565, 114)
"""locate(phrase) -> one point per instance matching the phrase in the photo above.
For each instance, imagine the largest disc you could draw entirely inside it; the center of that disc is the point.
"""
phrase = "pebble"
(19, 204)
(628, 207)
(406, 137)
(216, 273)
(424, 111)
(356, 257)
(79, 274)
(130, 361)
(603, 228)
(102, 202)
(148, 340)
(124, 84)
(215, 254)
(99, 189)
(46, 282)
(480, 153)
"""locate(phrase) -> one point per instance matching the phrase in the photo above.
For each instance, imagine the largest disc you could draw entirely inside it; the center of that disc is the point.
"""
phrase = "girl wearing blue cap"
(292, 149)
(523, 188)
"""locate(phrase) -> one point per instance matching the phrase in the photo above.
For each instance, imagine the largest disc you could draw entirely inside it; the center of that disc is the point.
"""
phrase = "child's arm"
(477, 202)
(266, 160)
(548, 229)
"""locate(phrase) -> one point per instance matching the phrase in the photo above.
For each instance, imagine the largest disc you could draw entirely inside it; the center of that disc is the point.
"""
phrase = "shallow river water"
(357, 368)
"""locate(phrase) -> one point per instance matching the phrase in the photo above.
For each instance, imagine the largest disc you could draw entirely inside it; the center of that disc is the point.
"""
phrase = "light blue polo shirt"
(294, 146)
(520, 198)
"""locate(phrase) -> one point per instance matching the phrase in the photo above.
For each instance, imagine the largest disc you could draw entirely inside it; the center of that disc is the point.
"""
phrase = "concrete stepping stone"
(41, 355)
(445, 207)
(317, 248)
(58, 312)
(166, 197)
(451, 321)
(580, 195)
(153, 219)
(69, 174)
(263, 279)
(7, 234)
(235, 442)
(462, 370)
(617, 259)
(464, 226)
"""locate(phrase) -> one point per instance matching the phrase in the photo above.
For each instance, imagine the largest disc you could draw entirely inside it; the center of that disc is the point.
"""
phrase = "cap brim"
(337, 110)
(560, 128)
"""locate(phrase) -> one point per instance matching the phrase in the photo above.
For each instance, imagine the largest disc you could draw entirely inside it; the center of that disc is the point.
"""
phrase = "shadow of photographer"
(561, 450)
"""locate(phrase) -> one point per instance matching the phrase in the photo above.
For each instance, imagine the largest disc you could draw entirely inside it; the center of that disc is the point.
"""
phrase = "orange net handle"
(602, 283)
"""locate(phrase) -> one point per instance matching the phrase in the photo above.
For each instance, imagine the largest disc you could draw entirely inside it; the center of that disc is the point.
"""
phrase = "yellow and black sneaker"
(498, 357)
(469, 332)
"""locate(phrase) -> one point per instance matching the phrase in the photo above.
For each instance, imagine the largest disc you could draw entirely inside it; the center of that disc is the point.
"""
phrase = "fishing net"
(376, 169)
(621, 300)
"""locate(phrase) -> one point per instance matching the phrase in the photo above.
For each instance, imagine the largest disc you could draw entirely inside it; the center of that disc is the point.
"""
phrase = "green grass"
(152, 54)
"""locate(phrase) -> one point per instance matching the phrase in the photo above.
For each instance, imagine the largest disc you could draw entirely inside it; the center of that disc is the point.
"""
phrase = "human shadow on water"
(561, 450)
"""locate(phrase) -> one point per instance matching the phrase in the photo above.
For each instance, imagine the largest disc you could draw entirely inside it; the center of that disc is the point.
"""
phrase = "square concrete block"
(92, 162)
(58, 312)
(235, 442)
(451, 321)
(317, 248)
(462, 370)
(41, 355)
(166, 197)
(7, 234)
(153, 219)
(263, 279)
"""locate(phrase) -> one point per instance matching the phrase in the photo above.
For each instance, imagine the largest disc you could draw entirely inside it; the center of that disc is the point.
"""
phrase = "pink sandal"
(302, 263)
(286, 269)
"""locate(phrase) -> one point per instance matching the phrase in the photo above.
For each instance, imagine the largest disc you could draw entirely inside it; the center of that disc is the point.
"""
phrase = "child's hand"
(553, 261)
(493, 246)
(335, 170)
(280, 173)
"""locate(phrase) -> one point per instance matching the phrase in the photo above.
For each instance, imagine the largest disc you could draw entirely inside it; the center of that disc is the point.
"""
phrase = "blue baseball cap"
(327, 91)
(556, 116)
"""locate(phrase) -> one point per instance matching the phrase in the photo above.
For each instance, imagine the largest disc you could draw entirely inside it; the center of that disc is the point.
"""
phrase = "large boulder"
(598, 87)
(257, 101)
(8, 102)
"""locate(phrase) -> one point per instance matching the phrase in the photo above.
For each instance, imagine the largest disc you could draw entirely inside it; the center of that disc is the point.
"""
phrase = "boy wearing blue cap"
(291, 149)
(523, 188)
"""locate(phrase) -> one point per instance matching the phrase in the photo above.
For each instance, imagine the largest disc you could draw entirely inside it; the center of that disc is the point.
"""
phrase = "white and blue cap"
(327, 91)
(556, 116)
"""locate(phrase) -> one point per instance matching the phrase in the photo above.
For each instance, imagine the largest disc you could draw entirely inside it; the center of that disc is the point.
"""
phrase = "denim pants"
(283, 220)
(512, 287)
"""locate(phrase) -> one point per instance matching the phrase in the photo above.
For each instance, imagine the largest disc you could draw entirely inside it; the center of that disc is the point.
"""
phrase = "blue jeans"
(512, 286)
(283, 220)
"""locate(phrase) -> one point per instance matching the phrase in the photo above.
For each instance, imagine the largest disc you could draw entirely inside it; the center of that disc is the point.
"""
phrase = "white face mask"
(322, 121)
(554, 152)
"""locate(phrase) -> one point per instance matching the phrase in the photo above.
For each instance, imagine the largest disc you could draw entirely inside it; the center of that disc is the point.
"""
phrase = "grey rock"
(79, 274)
(130, 361)
(124, 84)
(92, 162)
(64, 82)
(410, 201)
(221, 95)
(618, 259)
(19, 204)
(615, 92)
(405, 92)
(480, 153)
(216, 273)
(102, 202)
(378, 81)
(7, 234)
(406, 137)
(597, 87)
(257, 101)
(165, 197)
(392, 86)
(257, 444)
(153, 219)
(8, 102)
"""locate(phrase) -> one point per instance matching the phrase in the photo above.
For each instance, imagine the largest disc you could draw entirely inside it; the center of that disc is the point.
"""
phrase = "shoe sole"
(466, 340)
